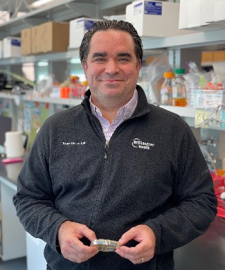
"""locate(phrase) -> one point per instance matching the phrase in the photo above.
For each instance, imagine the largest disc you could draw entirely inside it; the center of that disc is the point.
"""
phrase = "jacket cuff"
(157, 233)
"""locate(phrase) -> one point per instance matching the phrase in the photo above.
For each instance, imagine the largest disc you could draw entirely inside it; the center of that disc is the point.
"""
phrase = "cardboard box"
(78, 28)
(54, 37)
(11, 47)
(155, 18)
(218, 56)
(26, 41)
(36, 39)
(207, 57)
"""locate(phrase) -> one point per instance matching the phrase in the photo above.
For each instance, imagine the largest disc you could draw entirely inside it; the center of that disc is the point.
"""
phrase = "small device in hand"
(105, 245)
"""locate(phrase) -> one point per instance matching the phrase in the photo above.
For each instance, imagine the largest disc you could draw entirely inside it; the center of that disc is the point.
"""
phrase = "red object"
(11, 160)
(219, 187)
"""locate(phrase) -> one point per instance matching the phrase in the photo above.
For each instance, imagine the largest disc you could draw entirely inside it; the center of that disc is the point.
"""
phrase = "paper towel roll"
(14, 144)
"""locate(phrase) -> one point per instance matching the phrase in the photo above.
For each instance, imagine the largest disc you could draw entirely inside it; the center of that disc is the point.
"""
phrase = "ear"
(84, 65)
(139, 64)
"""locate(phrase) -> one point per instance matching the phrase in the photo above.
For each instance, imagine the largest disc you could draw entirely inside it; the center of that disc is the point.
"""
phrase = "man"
(114, 168)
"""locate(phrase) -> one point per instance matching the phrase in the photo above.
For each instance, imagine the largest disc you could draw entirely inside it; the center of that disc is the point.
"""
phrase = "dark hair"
(114, 25)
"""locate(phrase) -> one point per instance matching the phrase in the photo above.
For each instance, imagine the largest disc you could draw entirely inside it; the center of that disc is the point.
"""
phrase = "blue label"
(15, 42)
(88, 24)
(138, 5)
(138, 9)
(153, 8)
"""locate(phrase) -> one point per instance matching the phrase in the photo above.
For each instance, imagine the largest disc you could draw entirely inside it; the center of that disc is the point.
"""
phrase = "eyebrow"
(104, 54)
(125, 55)
(99, 54)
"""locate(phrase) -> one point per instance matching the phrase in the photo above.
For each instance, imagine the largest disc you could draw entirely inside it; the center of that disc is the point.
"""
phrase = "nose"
(111, 67)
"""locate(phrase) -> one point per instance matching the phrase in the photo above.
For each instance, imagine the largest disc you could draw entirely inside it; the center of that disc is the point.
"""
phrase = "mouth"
(111, 81)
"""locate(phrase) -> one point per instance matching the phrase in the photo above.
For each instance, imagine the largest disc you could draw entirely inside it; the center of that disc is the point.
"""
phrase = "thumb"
(127, 236)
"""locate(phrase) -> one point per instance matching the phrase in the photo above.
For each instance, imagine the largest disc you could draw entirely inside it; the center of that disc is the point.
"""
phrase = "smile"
(111, 81)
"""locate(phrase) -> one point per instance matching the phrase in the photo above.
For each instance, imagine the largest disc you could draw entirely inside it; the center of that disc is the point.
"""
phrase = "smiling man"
(112, 70)
(114, 168)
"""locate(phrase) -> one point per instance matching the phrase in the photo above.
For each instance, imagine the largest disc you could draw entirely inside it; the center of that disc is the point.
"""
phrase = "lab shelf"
(35, 58)
(198, 39)
(182, 111)
(61, 11)
(52, 100)
(69, 9)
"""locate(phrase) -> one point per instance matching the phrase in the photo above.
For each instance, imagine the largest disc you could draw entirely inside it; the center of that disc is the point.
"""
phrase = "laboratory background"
(183, 71)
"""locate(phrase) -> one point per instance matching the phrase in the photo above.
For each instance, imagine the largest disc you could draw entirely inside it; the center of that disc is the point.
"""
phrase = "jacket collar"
(141, 109)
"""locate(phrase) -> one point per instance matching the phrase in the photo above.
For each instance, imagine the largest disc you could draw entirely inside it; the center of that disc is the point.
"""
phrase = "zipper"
(107, 142)
(106, 149)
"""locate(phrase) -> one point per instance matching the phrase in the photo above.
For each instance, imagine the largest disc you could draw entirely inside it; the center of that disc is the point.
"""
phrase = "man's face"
(112, 67)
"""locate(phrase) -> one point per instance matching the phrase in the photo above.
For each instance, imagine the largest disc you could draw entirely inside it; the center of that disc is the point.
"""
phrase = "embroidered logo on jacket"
(137, 143)
(73, 143)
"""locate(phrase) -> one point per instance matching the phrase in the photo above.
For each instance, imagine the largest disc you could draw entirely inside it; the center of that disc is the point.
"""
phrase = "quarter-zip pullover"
(152, 172)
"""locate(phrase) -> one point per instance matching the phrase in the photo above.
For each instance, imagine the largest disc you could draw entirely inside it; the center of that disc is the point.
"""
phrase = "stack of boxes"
(155, 18)
(213, 56)
(45, 38)
(54, 36)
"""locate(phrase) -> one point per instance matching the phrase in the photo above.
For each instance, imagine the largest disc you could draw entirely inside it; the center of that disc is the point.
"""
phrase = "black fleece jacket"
(152, 173)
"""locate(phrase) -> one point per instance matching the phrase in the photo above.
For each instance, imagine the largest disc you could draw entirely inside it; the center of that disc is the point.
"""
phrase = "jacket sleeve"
(34, 200)
(193, 195)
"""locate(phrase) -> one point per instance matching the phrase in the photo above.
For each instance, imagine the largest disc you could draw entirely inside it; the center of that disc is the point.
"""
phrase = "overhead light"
(42, 63)
(39, 3)
(75, 61)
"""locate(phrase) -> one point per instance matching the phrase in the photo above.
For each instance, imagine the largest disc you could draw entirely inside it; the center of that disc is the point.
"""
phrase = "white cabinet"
(13, 244)
(35, 250)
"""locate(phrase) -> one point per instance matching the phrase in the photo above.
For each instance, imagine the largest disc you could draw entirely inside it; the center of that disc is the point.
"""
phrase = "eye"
(124, 60)
(99, 60)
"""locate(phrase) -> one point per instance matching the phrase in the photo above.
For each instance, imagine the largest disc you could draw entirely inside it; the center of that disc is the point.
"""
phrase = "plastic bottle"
(166, 89)
(179, 89)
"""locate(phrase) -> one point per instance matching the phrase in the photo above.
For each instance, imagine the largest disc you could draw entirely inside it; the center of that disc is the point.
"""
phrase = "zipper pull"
(106, 149)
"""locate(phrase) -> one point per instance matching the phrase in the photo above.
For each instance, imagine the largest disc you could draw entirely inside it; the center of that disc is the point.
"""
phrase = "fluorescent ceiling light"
(75, 61)
(42, 63)
(39, 3)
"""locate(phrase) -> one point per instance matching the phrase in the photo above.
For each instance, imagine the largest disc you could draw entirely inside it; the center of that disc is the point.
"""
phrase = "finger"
(85, 231)
(79, 247)
(82, 257)
(79, 254)
(127, 236)
(135, 258)
(131, 250)
(129, 253)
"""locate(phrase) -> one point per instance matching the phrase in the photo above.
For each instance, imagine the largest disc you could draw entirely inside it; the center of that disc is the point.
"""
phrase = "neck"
(108, 111)
(109, 115)
(110, 107)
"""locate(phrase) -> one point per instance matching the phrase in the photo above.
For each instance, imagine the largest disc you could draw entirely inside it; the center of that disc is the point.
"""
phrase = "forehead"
(112, 40)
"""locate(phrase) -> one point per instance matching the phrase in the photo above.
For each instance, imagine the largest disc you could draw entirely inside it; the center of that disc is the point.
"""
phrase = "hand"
(142, 252)
(71, 247)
